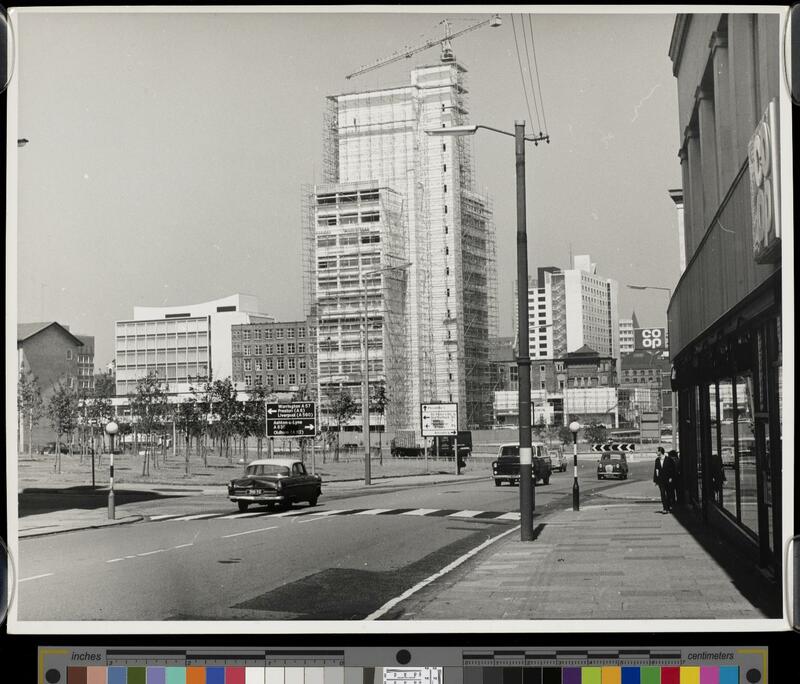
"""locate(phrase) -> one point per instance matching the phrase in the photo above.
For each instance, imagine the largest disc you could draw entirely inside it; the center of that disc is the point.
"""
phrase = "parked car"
(276, 481)
(558, 461)
(612, 466)
(50, 448)
(506, 467)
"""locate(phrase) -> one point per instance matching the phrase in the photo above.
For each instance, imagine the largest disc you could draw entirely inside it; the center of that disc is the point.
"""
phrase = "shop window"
(746, 452)
(727, 447)
(698, 442)
(716, 471)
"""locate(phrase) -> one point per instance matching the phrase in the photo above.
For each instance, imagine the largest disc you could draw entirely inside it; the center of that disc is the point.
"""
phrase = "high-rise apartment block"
(626, 335)
(395, 196)
(572, 308)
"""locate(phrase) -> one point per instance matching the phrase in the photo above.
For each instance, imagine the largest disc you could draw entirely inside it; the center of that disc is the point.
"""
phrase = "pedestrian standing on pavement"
(677, 482)
(663, 475)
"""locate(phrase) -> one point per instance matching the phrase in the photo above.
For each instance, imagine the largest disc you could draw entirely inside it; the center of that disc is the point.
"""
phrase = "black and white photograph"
(399, 319)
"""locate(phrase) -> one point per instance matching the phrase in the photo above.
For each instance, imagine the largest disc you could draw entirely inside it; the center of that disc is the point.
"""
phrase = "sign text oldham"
(291, 419)
(439, 420)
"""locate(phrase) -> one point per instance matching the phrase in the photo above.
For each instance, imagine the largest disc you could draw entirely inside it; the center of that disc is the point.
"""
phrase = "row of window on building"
(269, 333)
(279, 380)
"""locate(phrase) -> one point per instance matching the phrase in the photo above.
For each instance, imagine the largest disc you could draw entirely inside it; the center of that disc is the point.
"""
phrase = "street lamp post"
(527, 492)
(574, 426)
(111, 429)
(673, 407)
(365, 377)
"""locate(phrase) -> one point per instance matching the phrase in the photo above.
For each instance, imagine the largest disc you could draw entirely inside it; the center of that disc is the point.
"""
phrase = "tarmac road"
(197, 558)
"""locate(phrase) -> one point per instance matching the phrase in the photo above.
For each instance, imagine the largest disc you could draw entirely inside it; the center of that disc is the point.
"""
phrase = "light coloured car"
(558, 461)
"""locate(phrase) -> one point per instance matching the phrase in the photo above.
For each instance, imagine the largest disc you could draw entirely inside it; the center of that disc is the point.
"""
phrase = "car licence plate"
(254, 491)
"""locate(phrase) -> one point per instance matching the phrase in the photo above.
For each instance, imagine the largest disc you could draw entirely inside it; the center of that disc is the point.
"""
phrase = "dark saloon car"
(275, 481)
(506, 467)
(612, 466)
(50, 448)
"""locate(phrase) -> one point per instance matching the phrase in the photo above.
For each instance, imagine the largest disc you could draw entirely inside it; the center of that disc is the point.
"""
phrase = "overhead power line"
(521, 72)
(530, 72)
(536, 66)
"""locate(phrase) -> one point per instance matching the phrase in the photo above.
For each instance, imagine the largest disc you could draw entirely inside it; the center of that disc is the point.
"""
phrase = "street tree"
(189, 421)
(149, 406)
(30, 407)
(565, 434)
(540, 428)
(378, 403)
(255, 410)
(595, 433)
(62, 410)
(343, 408)
(225, 408)
(100, 408)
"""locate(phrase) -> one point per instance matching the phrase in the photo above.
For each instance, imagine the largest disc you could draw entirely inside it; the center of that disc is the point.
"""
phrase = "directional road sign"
(291, 419)
(614, 446)
(439, 420)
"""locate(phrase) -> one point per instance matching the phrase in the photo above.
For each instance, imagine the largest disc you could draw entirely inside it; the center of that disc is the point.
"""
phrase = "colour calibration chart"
(97, 665)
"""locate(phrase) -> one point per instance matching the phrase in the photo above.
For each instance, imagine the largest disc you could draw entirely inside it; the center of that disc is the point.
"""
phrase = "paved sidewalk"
(73, 519)
(618, 557)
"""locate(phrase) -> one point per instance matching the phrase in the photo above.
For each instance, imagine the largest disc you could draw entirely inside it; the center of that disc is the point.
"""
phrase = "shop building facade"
(725, 322)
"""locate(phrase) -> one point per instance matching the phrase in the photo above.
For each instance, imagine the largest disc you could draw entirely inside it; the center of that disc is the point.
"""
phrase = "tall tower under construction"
(424, 210)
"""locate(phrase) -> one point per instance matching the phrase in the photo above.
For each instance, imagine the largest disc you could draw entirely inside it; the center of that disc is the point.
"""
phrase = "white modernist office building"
(183, 344)
(572, 308)
(421, 190)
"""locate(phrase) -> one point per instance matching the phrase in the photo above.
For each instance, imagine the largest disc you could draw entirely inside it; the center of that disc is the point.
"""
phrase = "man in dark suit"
(664, 477)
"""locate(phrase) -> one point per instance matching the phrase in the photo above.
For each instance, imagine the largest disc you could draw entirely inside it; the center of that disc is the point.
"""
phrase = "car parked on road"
(275, 482)
(558, 461)
(612, 466)
(50, 448)
(506, 467)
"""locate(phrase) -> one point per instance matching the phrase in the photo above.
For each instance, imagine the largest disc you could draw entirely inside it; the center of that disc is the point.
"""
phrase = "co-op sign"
(650, 339)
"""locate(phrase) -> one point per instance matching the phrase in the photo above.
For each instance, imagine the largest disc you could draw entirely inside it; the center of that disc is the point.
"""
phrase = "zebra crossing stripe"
(464, 514)
(418, 512)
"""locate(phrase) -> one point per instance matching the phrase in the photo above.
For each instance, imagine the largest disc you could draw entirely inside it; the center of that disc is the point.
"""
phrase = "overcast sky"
(167, 151)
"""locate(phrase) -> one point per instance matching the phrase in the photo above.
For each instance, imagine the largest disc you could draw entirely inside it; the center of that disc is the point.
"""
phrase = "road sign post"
(440, 420)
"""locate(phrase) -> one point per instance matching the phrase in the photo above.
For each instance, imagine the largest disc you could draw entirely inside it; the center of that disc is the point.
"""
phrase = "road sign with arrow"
(291, 419)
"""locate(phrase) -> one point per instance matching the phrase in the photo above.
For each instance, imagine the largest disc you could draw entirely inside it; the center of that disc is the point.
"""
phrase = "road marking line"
(150, 553)
(374, 511)
(252, 514)
(113, 560)
(319, 519)
(239, 534)
(513, 515)
(197, 517)
(28, 579)
(287, 513)
(327, 513)
(464, 514)
(163, 517)
(182, 546)
(420, 511)
(386, 607)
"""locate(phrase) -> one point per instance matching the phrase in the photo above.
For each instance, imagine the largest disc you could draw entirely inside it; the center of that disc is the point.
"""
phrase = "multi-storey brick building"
(278, 356)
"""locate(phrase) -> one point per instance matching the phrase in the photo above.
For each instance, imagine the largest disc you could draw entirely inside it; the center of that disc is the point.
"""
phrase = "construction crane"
(447, 49)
